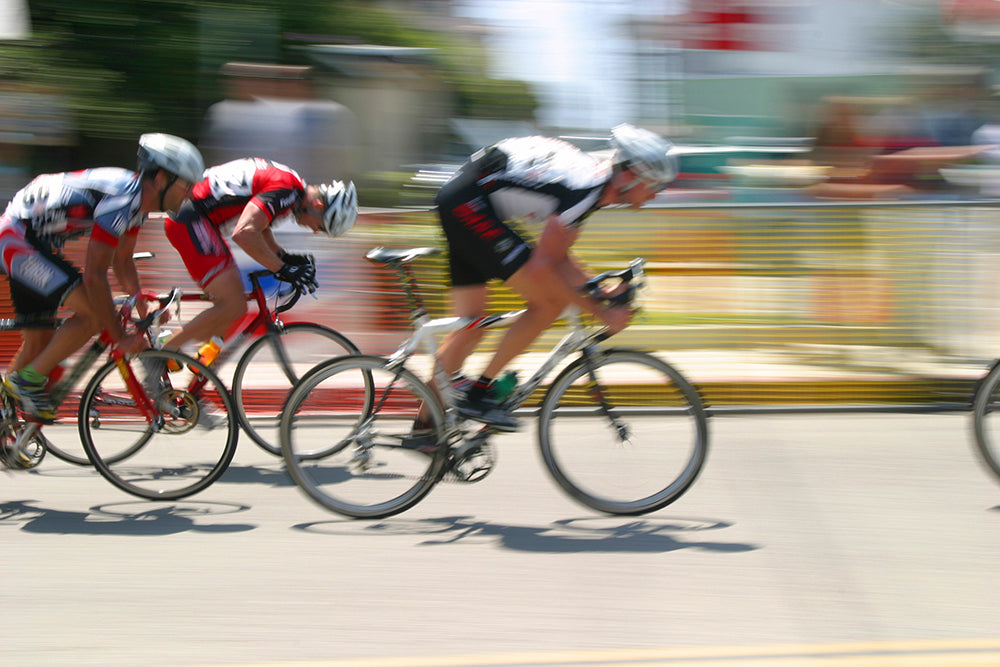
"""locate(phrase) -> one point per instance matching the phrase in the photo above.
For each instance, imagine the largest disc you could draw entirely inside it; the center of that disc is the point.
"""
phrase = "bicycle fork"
(597, 392)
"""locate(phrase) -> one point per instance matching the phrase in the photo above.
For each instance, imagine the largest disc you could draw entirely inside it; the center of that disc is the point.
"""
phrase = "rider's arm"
(569, 275)
(552, 251)
(100, 256)
(124, 267)
(252, 233)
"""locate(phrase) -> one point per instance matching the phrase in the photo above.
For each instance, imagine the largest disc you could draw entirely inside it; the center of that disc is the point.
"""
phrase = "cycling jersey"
(494, 207)
(55, 208)
(222, 196)
(527, 179)
(51, 210)
(228, 188)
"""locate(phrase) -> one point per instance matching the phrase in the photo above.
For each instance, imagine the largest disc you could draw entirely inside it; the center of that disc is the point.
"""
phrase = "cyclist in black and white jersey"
(109, 204)
(512, 212)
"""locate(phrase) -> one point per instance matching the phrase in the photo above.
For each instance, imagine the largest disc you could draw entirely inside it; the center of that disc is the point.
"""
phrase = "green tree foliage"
(921, 37)
(133, 66)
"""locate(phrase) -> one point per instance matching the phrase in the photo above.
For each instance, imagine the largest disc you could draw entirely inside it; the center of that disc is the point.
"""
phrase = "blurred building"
(401, 104)
(273, 111)
(712, 68)
(30, 115)
(15, 23)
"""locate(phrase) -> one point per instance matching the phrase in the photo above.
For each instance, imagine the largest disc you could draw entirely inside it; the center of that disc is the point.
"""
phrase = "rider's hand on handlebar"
(302, 276)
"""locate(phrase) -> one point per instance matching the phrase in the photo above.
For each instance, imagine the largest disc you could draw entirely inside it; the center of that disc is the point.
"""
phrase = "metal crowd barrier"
(783, 304)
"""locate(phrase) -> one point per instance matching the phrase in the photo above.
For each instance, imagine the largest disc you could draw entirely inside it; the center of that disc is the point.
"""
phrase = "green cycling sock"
(31, 376)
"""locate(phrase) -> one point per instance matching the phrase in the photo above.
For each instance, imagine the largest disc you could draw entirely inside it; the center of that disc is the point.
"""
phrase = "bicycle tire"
(175, 457)
(301, 341)
(13, 426)
(62, 454)
(986, 421)
(24, 456)
(374, 470)
(650, 457)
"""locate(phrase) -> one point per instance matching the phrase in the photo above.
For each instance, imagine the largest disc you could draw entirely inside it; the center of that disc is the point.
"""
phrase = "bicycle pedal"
(472, 461)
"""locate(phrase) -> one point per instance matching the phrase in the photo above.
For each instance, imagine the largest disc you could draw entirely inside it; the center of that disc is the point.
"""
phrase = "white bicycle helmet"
(646, 154)
(340, 207)
(176, 155)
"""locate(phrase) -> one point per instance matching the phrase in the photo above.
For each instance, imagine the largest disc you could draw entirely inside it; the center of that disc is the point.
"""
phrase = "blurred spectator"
(838, 140)
(954, 113)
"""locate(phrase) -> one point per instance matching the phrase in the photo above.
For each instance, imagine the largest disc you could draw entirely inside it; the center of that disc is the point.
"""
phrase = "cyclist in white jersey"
(109, 204)
(512, 212)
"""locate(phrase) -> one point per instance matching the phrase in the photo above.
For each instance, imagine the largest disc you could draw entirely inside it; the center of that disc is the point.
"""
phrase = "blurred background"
(835, 213)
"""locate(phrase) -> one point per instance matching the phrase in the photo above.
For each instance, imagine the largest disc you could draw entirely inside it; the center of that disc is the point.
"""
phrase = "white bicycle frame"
(427, 332)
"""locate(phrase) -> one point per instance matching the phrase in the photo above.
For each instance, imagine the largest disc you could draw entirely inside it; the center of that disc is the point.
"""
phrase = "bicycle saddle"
(382, 255)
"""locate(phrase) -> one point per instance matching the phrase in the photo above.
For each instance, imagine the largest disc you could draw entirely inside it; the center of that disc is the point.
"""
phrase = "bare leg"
(468, 301)
(544, 307)
(70, 336)
(33, 341)
(229, 303)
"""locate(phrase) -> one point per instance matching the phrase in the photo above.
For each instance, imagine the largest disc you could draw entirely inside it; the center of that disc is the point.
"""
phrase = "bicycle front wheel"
(181, 448)
(986, 420)
(359, 412)
(269, 369)
(623, 432)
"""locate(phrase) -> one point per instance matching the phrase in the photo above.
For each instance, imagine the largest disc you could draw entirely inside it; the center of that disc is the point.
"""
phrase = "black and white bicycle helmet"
(340, 207)
(646, 154)
(173, 154)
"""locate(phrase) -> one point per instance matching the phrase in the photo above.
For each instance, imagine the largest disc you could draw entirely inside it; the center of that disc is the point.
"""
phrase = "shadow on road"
(128, 518)
(614, 535)
(274, 476)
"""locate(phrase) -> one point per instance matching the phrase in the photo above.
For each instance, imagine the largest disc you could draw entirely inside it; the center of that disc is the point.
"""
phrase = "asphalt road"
(833, 540)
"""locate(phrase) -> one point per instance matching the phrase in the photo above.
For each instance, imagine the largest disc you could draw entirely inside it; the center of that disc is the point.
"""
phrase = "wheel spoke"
(351, 449)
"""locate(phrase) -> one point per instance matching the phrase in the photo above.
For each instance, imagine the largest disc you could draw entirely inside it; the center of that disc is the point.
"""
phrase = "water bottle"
(210, 350)
(502, 387)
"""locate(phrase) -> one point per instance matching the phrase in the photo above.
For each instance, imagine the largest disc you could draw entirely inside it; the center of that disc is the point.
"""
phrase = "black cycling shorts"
(480, 246)
(39, 276)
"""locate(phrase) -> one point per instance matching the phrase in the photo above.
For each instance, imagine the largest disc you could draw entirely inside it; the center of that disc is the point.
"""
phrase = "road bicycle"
(278, 354)
(28, 451)
(138, 424)
(986, 419)
(620, 430)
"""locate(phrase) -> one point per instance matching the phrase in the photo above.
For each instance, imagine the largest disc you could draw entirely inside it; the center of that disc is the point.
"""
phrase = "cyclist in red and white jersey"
(110, 205)
(253, 192)
(512, 212)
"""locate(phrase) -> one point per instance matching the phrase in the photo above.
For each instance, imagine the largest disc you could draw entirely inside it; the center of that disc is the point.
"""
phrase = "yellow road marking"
(918, 653)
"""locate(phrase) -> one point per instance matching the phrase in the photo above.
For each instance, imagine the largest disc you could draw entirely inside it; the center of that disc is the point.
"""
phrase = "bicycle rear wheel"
(63, 431)
(986, 420)
(185, 448)
(630, 439)
(269, 369)
(359, 412)
(20, 452)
